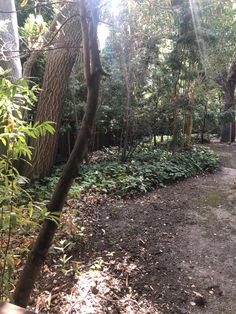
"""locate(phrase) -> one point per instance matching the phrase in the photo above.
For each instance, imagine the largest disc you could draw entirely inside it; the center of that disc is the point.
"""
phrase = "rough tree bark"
(93, 72)
(48, 41)
(228, 99)
(9, 40)
(58, 68)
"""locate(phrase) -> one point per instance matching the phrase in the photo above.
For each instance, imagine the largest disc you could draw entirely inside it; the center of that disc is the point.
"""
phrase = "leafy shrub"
(149, 168)
(15, 98)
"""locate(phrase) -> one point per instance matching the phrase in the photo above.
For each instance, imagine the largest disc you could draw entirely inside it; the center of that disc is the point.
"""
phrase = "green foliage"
(227, 116)
(14, 134)
(34, 26)
(148, 169)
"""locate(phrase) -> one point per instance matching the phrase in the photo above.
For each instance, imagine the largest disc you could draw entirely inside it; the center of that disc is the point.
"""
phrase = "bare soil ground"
(172, 251)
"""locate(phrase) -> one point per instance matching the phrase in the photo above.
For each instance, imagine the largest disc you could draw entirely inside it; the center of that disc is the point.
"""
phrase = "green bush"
(149, 168)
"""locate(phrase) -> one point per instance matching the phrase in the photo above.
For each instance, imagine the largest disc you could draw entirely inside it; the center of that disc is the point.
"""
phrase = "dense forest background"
(171, 67)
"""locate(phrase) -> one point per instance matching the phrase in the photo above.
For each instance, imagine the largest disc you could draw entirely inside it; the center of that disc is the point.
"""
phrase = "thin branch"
(63, 24)
(25, 54)
(106, 23)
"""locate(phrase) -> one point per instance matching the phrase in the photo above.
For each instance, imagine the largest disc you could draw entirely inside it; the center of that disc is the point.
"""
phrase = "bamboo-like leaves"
(14, 134)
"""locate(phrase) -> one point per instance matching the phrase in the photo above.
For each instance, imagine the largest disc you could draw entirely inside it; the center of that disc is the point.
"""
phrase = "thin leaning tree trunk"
(58, 68)
(93, 72)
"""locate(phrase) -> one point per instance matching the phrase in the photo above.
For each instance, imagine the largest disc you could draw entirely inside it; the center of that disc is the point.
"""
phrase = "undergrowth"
(148, 169)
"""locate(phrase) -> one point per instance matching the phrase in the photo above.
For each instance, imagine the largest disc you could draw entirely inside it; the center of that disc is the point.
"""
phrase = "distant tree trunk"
(228, 132)
(127, 119)
(9, 40)
(58, 68)
(228, 84)
(174, 141)
(125, 51)
(154, 140)
(203, 129)
(93, 72)
(188, 129)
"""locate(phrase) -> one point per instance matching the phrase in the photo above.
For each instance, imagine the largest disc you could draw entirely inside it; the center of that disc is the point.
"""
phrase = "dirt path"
(169, 251)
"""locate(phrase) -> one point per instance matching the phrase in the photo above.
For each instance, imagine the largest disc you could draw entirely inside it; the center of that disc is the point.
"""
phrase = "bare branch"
(25, 54)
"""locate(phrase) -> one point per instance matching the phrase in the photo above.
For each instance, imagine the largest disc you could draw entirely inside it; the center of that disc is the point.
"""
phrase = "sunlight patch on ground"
(105, 291)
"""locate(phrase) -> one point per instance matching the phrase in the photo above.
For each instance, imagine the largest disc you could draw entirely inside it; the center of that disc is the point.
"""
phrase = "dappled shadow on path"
(169, 251)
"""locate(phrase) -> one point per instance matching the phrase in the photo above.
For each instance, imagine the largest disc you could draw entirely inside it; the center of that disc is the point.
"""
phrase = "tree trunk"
(203, 129)
(9, 40)
(174, 141)
(227, 132)
(9, 45)
(58, 68)
(228, 100)
(188, 129)
(47, 41)
(44, 240)
(154, 140)
(127, 120)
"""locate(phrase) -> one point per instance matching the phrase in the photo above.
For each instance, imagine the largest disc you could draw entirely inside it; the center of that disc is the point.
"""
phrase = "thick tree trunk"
(227, 131)
(58, 68)
(9, 40)
(227, 128)
(44, 240)
(47, 41)
(228, 99)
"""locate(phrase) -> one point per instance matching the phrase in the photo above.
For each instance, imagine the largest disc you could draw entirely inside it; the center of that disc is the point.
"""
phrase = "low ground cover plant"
(148, 169)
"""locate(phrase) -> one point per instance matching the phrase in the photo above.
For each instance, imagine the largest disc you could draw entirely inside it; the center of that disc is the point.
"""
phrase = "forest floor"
(168, 251)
